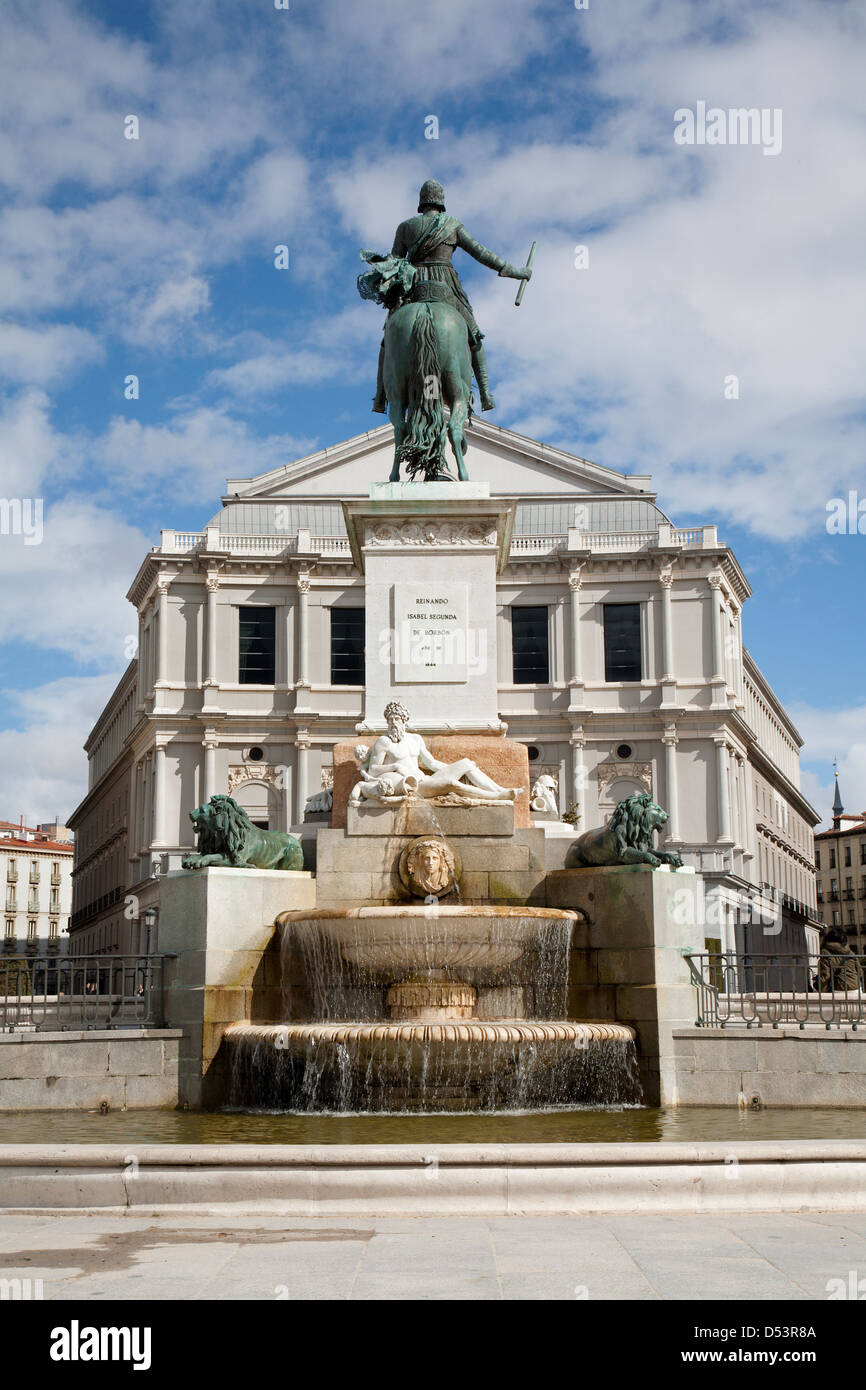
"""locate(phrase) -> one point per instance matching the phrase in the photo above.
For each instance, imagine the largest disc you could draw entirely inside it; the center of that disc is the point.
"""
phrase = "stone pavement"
(734, 1256)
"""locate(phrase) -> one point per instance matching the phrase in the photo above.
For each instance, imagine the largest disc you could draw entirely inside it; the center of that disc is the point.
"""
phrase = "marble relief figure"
(400, 764)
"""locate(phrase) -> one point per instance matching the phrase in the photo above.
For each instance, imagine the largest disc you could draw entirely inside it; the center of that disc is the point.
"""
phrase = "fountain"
(438, 1005)
(429, 1008)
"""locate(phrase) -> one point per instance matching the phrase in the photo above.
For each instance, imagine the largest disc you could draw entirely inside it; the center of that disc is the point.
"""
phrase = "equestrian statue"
(432, 345)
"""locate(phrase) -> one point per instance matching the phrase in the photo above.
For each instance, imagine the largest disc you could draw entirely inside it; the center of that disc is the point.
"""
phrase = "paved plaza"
(736, 1256)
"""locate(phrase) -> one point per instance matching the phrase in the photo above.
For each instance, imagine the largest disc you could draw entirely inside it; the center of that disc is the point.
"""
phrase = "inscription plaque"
(430, 639)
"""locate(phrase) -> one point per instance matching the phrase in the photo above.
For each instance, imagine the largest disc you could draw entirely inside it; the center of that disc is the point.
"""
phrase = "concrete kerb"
(447, 1180)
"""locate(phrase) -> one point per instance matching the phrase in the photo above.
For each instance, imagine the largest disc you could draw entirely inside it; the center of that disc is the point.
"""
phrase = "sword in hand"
(530, 258)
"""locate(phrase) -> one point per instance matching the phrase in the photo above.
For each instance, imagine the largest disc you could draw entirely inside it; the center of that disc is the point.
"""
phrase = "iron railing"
(56, 993)
(760, 990)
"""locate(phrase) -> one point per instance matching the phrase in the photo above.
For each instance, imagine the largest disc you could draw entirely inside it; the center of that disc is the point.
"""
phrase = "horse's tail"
(424, 443)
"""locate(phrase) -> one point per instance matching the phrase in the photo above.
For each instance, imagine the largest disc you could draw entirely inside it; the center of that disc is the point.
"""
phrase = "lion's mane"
(223, 828)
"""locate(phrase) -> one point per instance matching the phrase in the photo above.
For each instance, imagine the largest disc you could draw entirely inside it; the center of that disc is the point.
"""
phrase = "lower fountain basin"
(416, 937)
(460, 1065)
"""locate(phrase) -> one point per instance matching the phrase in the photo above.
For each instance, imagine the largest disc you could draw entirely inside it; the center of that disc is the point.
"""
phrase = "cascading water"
(428, 1008)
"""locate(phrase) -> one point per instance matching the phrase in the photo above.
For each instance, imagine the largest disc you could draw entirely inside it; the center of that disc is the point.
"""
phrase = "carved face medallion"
(428, 867)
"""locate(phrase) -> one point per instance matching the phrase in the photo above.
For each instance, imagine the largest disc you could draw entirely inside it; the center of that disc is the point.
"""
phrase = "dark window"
(534, 753)
(817, 859)
(624, 750)
(257, 634)
(622, 642)
(347, 646)
(847, 856)
(832, 858)
(529, 640)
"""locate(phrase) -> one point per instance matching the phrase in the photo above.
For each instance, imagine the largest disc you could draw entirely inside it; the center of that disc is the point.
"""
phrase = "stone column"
(139, 702)
(668, 678)
(737, 776)
(724, 800)
(576, 682)
(578, 770)
(162, 635)
(146, 812)
(719, 676)
(302, 683)
(670, 741)
(144, 656)
(211, 679)
(159, 794)
(209, 743)
(749, 802)
(667, 580)
(132, 824)
(302, 743)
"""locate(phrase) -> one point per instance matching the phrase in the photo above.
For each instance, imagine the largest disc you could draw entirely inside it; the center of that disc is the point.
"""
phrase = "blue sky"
(306, 127)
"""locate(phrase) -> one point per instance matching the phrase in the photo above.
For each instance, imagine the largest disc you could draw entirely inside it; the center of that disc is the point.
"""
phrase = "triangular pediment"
(512, 464)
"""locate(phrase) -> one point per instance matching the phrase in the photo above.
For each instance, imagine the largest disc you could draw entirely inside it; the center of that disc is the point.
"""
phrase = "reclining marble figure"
(400, 764)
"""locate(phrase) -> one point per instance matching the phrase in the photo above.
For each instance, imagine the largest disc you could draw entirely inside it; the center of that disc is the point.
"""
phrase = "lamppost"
(150, 925)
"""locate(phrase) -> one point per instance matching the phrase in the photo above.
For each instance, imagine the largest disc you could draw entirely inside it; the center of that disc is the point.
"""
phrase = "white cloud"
(830, 734)
(413, 56)
(41, 355)
(43, 771)
(197, 451)
(171, 311)
(71, 588)
(32, 454)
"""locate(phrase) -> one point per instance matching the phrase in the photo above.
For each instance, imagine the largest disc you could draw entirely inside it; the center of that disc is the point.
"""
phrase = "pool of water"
(582, 1126)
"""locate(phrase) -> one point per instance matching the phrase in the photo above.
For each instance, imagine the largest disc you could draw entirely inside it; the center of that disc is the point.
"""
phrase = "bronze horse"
(427, 367)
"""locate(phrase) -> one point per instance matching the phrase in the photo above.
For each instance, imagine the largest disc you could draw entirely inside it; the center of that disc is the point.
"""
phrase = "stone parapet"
(813, 1067)
(84, 1070)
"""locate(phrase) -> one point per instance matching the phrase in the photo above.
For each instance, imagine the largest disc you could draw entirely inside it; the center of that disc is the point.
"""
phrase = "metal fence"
(55, 993)
(767, 990)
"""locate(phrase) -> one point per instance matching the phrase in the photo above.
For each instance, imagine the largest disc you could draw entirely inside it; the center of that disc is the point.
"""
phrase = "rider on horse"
(419, 268)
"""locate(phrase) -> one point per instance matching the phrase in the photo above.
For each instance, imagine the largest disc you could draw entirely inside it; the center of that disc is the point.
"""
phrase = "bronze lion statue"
(626, 839)
(227, 838)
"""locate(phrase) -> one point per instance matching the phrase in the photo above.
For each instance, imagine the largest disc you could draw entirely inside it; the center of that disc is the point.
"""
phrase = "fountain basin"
(414, 937)
(459, 1065)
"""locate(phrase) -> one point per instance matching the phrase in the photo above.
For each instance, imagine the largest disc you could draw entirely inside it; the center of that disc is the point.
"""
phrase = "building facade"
(36, 878)
(619, 661)
(840, 864)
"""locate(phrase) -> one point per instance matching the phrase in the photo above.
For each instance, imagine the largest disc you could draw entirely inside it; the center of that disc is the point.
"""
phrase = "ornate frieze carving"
(256, 772)
(608, 773)
(480, 532)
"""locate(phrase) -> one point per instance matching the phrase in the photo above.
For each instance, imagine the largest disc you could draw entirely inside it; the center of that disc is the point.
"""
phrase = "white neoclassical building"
(618, 654)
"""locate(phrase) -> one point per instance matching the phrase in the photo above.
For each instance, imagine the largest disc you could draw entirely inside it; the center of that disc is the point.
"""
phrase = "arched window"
(261, 802)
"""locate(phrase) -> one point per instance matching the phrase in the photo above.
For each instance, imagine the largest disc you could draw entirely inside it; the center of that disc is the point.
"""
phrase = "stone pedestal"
(218, 923)
(430, 553)
(431, 998)
(627, 959)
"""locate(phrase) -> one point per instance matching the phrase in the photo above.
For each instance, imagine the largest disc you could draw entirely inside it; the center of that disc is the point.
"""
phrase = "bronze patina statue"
(626, 839)
(432, 344)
